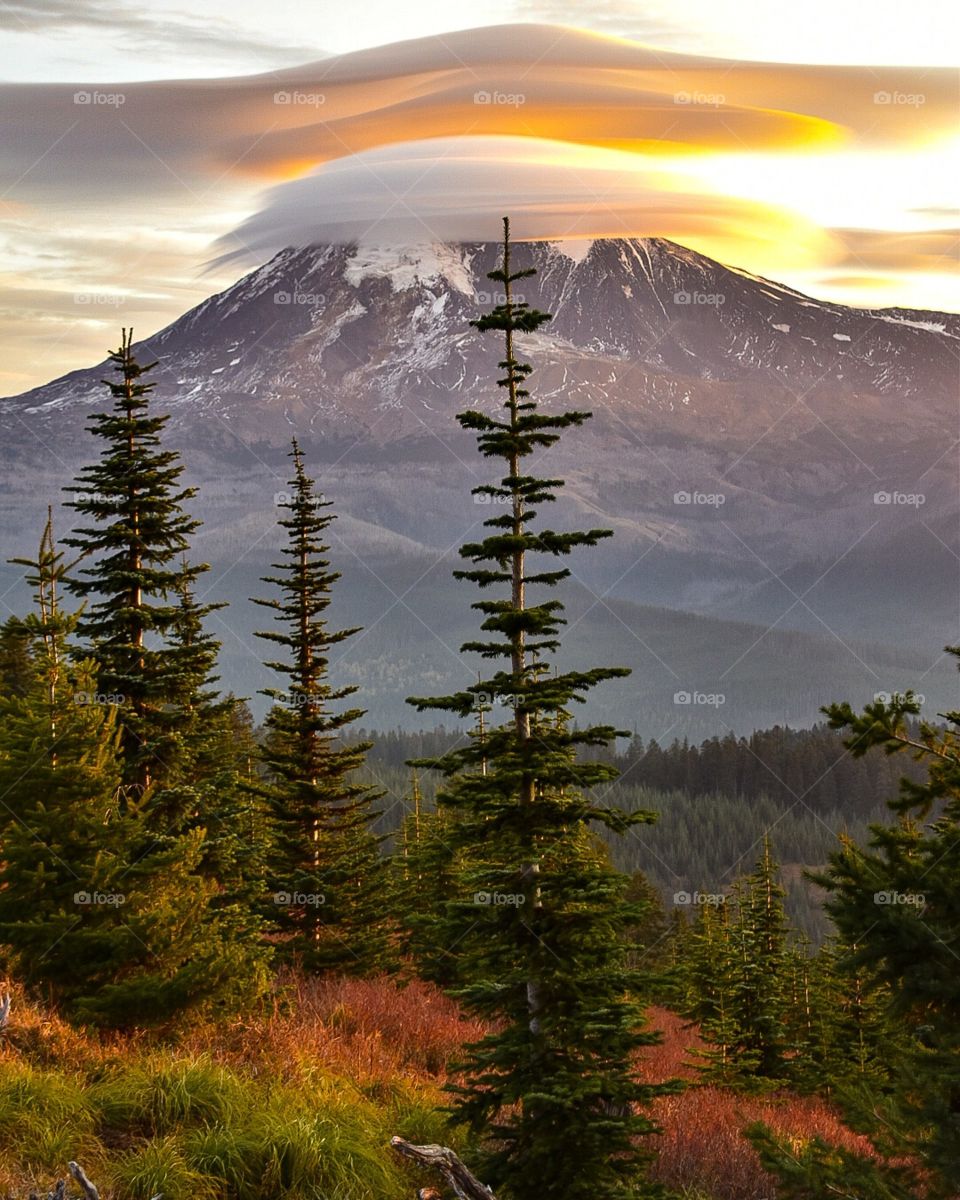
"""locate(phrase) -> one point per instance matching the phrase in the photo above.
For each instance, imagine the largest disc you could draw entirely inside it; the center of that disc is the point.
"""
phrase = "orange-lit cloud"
(578, 87)
(405, 193)
(924, 250)
(801, 172)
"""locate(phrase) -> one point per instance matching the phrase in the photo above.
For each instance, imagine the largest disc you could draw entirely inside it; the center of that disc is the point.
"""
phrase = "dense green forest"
(714, 802)
(791, 895)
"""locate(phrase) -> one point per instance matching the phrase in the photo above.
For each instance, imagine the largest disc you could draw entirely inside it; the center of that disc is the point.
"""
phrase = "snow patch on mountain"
(932, 326)
(407, 266)
(576, 249)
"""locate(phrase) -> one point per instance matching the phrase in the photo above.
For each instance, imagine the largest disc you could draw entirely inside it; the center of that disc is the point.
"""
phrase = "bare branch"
(89, 1191)
(439, 1158)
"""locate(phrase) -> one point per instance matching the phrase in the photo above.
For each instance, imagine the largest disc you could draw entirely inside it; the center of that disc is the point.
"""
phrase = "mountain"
(769, 462)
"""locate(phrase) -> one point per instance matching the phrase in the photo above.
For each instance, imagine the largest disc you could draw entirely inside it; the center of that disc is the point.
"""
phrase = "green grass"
(192, 1129)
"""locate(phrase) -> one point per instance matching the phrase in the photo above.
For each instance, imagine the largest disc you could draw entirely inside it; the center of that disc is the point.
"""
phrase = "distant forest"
(714, 802)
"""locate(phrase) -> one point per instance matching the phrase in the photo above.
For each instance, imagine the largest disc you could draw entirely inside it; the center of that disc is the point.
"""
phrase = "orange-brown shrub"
(369, 1029)
(702, 1147)
(381, 1034)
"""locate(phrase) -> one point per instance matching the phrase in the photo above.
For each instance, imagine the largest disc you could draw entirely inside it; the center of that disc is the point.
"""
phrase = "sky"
(816, 145)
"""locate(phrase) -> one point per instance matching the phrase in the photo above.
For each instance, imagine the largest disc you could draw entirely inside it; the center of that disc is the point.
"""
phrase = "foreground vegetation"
(298, 1099)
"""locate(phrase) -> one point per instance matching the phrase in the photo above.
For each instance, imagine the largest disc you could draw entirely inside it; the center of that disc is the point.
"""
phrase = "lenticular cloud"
(456, 189)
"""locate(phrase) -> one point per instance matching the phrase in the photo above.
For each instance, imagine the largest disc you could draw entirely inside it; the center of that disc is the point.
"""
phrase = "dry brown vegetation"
(379, 1046)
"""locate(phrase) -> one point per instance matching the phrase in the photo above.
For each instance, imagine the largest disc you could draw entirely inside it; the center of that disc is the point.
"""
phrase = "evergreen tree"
(675, 991)
(217, 751)
(120, 930)
(325, 871)
(427, 878)
(154, 661)
(62, 844)
(741, 968)
(763, 967)
(896, 905)
(847, 1038)
(130, 575)
(649, 941)
(710, 995)
(538, 930)
(16, 666)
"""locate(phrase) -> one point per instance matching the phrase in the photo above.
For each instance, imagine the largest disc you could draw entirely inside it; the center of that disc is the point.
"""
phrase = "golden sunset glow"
(836, 179)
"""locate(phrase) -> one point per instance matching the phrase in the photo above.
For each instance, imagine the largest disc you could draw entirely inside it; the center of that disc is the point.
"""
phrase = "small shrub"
(159, 1168)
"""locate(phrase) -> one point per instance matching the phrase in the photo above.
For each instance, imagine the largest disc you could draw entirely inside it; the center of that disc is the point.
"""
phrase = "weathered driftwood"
(89, 1191)
(464, 1183)
(86, 1187)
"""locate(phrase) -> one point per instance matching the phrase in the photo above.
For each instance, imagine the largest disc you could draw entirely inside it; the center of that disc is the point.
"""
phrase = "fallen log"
(464, 1183)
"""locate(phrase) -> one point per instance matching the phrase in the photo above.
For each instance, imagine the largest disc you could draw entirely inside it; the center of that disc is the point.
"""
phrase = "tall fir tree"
(708, 997)
(143, 629)
(761, 937)
(538, 931)
(132, 578)
(211, 787)
(326, 875)
(844, 1033)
